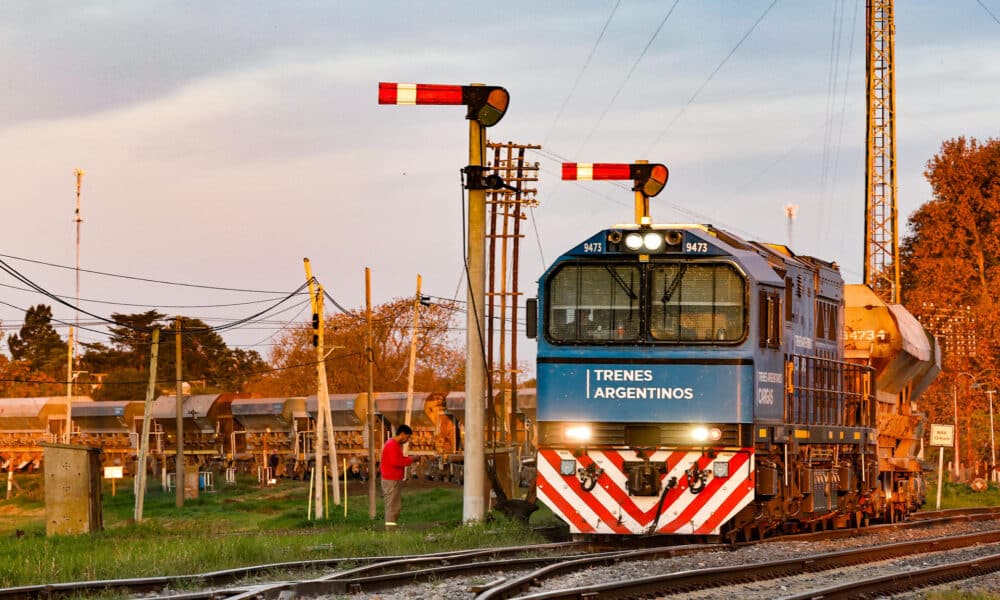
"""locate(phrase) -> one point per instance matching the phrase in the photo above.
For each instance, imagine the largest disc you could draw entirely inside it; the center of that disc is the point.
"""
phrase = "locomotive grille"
(644, 435)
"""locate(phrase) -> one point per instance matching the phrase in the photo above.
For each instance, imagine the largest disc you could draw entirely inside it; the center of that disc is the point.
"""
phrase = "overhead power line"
(718, 68)
(147, 305)
(5, 267)
(988, 11)
(628, 76)
(134, 278)
(583, 69)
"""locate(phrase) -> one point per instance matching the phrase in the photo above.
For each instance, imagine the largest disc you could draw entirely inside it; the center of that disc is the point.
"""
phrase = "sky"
(225, 141)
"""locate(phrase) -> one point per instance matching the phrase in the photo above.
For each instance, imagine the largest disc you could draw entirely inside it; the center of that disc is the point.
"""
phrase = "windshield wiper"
(668, 292)
(621, 283)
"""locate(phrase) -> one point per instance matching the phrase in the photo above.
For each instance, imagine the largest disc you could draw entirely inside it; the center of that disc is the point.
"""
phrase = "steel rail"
(686, 581)
(904, 582)
(228, 576)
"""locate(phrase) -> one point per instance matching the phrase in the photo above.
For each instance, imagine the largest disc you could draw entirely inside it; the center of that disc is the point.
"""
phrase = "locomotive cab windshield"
(625, 302)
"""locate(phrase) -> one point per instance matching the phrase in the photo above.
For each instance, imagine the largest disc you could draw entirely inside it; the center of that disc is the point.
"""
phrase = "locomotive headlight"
(633, 241)
(705, 434)
(652, 241)
(577, 433)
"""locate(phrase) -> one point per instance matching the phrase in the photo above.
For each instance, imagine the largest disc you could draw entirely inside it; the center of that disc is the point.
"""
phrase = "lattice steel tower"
(881, 217)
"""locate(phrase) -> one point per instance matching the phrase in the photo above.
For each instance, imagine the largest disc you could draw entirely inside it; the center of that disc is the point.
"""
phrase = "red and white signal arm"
(487, 103)
(942, 435)
(419, 93)
(649, 178)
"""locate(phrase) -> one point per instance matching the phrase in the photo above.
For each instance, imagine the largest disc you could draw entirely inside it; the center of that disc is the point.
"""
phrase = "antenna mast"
(790, 211)
(77, 220)
(881, 231)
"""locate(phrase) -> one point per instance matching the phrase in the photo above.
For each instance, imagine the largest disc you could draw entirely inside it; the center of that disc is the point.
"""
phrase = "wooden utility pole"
(324, 393)
(179, 468)
(370, 354)
(324, 415)
(506, 203)
(413, 353)
(140, 469)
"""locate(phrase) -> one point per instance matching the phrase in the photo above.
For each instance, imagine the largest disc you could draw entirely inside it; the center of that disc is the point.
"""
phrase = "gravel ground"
(459, 588)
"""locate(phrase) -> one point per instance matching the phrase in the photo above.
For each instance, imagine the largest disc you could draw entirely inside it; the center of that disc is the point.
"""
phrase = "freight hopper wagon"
(265, 433)
(350, 425)
(112, 426)
(906, 360)
(25, 423)
(691, 382)
(207, 423)
(434, 433)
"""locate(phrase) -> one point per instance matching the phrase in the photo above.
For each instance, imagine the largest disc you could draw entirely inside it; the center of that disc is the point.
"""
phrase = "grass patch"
(956, 595)
(960, 495)
(238, 525)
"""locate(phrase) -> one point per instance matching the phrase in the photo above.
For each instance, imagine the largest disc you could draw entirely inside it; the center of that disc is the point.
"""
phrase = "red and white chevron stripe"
(608, 508)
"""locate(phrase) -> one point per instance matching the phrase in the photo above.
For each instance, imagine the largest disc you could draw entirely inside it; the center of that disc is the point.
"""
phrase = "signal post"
(486, 105)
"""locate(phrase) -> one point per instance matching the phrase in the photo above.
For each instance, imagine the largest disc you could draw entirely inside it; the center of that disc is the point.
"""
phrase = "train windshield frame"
(661, 302)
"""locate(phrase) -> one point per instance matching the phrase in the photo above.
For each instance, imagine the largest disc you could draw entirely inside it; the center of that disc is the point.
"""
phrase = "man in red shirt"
(393, 471)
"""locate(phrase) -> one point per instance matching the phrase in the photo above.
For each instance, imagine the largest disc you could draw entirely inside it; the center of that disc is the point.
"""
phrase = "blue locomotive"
(692, 382)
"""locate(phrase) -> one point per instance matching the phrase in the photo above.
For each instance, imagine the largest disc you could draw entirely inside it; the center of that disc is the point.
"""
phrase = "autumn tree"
(208, 363)
(17, 380)
(950, 271)
(439, 361)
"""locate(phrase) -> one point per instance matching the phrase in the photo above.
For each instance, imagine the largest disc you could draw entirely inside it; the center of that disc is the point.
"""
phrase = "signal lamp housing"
(673, 237)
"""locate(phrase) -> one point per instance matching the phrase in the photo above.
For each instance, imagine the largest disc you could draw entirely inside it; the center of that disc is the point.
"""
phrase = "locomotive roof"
(777, 258)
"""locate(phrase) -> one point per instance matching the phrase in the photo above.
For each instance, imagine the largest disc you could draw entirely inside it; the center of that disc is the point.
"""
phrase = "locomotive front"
(647, 380)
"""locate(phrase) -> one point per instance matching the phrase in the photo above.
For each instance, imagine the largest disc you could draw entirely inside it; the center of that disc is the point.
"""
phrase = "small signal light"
(315, 321)
(425, 300)
(487, 104)
(649, 178)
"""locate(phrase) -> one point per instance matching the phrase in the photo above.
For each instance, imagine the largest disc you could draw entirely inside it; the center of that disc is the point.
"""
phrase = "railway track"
(731, 580)
(510, 571)
(359, 568)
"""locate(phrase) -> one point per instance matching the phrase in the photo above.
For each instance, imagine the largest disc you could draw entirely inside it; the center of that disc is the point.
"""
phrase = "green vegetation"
(960, 495)
(237, 525)
(956, 595)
